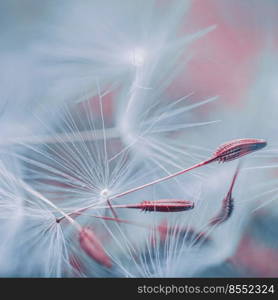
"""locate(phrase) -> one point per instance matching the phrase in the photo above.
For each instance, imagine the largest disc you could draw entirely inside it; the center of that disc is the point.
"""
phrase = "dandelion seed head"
(120, 143)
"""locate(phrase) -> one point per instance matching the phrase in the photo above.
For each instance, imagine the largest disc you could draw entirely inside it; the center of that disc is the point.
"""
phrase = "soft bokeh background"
(237, 61)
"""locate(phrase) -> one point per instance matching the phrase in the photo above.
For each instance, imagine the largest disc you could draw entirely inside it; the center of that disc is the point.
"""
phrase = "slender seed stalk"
(226, 152)
(146, 185)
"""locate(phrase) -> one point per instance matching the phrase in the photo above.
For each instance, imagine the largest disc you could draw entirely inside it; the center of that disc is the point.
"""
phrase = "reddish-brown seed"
(227, 204)
(164, 205)
(234, 149)
(93, 247)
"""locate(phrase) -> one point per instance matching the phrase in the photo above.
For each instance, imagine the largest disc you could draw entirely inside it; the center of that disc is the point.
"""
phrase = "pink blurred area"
(255, 258)
(256, 254)
(224, 60)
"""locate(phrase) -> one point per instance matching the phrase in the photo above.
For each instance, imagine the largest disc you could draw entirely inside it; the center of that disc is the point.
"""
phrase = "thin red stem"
(162, 179)
(203, 163)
